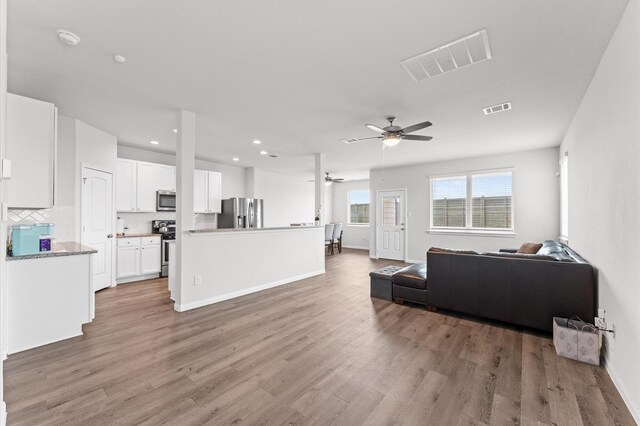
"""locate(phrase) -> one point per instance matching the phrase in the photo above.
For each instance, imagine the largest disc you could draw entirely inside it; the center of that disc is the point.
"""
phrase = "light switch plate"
(5, 165)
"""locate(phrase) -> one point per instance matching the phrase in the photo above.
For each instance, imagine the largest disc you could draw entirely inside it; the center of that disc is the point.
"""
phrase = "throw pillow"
(529, 248)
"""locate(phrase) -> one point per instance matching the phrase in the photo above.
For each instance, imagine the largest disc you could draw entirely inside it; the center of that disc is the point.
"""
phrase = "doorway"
(390, 224)
(97, 223)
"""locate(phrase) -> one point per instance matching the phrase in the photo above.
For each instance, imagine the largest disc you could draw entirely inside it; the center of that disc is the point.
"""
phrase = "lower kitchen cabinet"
(138, 258)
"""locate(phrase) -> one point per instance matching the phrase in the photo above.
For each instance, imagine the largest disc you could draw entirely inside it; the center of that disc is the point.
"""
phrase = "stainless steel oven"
(165, 201)
(167, 231)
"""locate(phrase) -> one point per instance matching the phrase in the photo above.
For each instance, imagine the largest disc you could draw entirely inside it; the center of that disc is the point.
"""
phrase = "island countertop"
(70, 248)
(225, 230)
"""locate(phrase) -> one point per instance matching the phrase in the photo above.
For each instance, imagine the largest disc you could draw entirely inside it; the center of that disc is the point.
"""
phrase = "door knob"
(110, 236)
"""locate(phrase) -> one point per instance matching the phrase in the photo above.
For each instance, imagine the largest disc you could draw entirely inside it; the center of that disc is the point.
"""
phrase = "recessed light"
(175, 130)
(67, 37)
(257, 142)
(263, 152)
(235, 159)
(119, 59)
(154, 142)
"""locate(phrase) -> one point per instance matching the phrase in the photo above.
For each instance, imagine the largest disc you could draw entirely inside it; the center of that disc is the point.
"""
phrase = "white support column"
(185, 165)
(320, 186)
(3, 223)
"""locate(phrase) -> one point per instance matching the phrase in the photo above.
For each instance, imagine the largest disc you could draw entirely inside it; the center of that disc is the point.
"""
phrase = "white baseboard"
(3, 414)
(137, 278)
(414, 261)
(233, 295)
(626, 396)
(4, 355)
(356, 247)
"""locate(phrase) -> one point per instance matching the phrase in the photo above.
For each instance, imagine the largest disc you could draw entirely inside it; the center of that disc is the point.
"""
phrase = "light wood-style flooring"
(318, 351)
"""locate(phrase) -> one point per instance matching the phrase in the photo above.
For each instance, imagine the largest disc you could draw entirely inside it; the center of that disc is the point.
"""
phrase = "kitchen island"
(49, 294)
(229, 263)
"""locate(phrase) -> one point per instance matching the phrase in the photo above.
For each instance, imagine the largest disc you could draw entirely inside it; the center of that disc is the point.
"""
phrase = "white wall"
(3, 224)
(287, 198)
(233, 177)
(603, 144)
(353, 236)
(535, 198)
(235, 263)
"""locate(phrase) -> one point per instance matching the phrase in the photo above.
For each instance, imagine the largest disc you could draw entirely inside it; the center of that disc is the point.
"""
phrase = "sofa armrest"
(508, 250)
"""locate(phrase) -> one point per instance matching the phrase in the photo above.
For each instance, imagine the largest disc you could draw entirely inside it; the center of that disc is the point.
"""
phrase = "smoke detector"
(67, 37)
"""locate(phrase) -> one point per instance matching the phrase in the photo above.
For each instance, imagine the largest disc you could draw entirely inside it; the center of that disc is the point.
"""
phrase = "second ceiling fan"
(392, 135)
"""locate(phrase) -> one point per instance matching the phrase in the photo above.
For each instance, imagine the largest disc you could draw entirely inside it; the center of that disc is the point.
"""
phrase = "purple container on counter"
(45, 242)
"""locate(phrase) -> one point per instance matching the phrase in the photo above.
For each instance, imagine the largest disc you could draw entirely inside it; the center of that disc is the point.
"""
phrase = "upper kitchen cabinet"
(31, 147)
(207, 192)
(126, 186)
(137, 183)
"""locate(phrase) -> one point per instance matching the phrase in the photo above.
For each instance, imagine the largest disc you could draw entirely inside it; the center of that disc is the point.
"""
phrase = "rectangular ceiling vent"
(496, 108)
(461, 53)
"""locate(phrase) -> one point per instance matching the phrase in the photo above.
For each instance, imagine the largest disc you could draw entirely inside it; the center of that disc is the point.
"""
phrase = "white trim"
(414, 261)
(356, 247)
(470, 232)
(138, 278)
(624, 393)
(3, 414)
(233, 295)
(257, 230)
(4, 355)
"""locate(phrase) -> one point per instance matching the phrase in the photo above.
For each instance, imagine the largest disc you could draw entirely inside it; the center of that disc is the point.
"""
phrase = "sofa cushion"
(413, 276)
(529, 248)
(550, 246)
(451, 251)
(520, 256)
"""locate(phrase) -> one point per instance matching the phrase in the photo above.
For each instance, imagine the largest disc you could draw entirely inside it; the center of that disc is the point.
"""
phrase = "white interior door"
(390, 232)
(97, 223)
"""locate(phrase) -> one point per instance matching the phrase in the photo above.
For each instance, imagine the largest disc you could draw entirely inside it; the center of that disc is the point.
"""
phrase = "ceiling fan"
(328, 179)
(392, 135)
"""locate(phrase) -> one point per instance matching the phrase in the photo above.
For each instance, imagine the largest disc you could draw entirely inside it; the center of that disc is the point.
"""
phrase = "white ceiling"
(301, 75)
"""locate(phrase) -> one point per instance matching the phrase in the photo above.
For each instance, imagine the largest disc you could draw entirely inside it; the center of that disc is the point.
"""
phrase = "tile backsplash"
(62, 216)
(138, 223)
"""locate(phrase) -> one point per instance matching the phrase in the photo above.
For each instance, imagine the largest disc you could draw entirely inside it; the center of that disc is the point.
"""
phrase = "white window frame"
(360, 225)
(468, 229)
(564, 198)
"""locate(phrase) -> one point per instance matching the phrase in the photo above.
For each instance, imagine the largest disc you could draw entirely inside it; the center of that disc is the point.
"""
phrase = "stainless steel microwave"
(165, 201)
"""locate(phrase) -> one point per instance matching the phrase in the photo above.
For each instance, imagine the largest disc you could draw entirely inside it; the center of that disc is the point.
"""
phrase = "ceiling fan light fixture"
(327, 182)
(391, 140)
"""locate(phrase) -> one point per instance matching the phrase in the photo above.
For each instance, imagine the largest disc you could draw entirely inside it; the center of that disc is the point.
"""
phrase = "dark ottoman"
(381, 282)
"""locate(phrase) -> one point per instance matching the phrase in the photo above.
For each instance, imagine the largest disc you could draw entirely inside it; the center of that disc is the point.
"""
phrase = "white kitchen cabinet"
(215, 192)
(165, 177)
(126, 185)
(128, 261)
(138, 258)
(31, 147)
(137, 183)
(207, 192)
(150, 259)
(146, 187)
(200, 191)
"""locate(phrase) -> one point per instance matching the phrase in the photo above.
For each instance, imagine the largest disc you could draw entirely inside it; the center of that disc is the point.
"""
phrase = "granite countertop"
(57, 250)
(278, 228)
(144, 234)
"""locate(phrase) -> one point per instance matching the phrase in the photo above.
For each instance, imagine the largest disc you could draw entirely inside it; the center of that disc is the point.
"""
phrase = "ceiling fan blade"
(417, 138)
(416, 127)
(337, 179)
(353, 140)
(375, 128)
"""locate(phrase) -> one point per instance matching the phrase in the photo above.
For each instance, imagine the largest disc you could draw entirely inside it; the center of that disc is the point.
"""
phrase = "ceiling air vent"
(496, 108)
(466, 51)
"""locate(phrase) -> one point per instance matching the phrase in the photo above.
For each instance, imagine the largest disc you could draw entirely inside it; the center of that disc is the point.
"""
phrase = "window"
(472, 202)
(564, 197)
(358, 207)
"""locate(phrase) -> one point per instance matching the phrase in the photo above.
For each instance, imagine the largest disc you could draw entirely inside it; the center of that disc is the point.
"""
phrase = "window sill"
(358, 225)
(475, 233)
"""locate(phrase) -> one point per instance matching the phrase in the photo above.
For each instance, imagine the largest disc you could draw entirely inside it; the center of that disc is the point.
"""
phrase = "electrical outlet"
(197, 280)
(600, 323)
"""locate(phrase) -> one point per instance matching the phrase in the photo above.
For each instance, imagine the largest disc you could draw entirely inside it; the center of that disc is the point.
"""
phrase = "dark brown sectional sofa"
(526, 290)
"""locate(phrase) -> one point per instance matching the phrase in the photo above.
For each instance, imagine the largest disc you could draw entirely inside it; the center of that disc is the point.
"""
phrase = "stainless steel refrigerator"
(241, 213)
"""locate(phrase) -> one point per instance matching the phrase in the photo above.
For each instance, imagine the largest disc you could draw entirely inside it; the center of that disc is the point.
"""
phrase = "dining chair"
(328, 236)
(337, 237)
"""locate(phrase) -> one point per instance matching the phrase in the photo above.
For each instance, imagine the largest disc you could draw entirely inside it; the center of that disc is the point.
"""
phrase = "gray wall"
(603, 145)
(535, 198)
